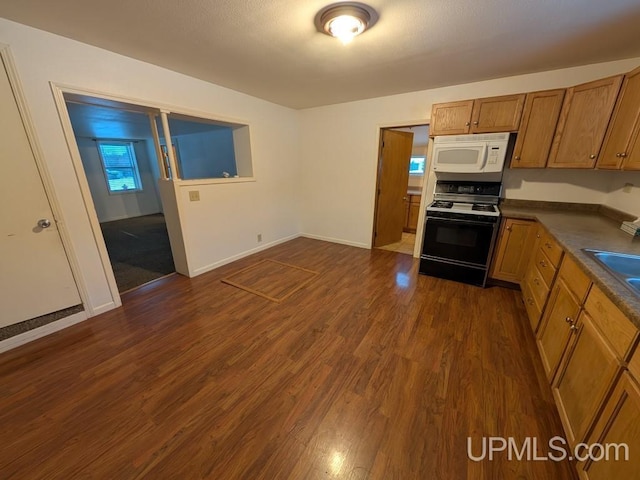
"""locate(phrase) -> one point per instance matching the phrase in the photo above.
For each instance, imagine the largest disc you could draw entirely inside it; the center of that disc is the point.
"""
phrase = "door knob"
(44, 223)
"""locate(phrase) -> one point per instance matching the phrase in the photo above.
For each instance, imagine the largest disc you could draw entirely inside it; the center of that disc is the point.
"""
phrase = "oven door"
(456, 240)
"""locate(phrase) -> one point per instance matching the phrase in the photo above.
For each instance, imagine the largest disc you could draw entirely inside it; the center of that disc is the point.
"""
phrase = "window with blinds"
(120, 166)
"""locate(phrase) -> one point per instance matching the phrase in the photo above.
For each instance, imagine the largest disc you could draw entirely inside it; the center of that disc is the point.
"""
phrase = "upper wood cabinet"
(583, 123)
(497, 114)
(515, 244)
(484, 115)
(619, 150)
(539, 121)
(453, 118)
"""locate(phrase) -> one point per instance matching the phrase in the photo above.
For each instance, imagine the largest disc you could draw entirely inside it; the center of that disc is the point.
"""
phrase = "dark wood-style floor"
(369, 372)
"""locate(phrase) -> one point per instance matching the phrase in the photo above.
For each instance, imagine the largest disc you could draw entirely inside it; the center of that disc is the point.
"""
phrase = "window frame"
(135, 166)
(424, 166)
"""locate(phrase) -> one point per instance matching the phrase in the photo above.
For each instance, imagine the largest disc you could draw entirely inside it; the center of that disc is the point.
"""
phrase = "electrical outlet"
(259, 237)
(627, 187)
(194, 195)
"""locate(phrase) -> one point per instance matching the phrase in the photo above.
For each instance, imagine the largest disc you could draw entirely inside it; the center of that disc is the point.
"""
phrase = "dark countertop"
(575, 230)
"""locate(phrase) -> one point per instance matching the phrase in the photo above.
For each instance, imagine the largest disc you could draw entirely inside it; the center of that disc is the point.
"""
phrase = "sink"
(624, 267)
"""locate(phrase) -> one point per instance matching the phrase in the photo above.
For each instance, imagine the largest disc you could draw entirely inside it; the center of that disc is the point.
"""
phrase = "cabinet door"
(583, 122)
(555, 329)
(497, 114)
(583, 379)
(618, 424)
(453, 118)
(414, 210)
(539, 121)
(623, 124)
(632, 162)
(513, 251)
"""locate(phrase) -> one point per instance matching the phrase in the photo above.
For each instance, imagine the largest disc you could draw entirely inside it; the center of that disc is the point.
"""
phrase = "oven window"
(458, 241)
(456, 236)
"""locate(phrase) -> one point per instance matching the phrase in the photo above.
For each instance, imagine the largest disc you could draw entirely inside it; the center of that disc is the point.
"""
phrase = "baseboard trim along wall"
(336, 240)
(43, 331)
(233, 258)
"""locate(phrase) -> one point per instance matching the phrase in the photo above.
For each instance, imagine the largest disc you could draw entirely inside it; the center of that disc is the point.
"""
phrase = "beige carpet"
(403, 246)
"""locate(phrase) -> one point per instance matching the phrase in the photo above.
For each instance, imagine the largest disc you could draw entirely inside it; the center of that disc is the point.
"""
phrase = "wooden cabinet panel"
(497, 114)
(577, 281)
(538, 286)
(555, 328)
(533, 310)
(515, 244)
(584, 379)
(632, 162)
(414, 210)
(623, 126)
(539, 121)
(612, 323)
(583, 122)
(545, 266)
(618, 424)
(453, 118)
(551, 248)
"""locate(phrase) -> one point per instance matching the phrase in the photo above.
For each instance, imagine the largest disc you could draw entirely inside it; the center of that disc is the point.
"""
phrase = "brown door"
(393, 179)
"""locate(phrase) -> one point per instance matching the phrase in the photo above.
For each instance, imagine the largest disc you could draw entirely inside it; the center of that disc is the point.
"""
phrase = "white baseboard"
(336, 240)
(233, 258)
(42, 331)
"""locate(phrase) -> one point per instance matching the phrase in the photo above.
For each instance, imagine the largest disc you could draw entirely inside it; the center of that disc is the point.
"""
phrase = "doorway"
(118, 154)
(402, 163)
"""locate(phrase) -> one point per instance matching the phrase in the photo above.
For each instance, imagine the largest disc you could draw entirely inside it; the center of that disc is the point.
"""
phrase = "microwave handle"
(484, 154)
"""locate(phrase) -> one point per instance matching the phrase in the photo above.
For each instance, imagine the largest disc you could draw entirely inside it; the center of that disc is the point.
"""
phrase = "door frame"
(45, 175)
(423, 202)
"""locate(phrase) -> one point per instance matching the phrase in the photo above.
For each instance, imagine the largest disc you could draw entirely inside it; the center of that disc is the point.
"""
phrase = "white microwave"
(484, 153)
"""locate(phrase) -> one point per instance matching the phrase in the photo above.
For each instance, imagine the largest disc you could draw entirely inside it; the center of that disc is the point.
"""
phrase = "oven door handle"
(457, 220)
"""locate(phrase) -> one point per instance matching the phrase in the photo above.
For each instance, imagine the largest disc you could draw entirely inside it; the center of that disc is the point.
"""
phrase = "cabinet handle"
(574, 328)
(508, 229)
(476, 123)
(569, 320)
(530, 301)
(543, 263)
(536, 281)
(516, 157)
(623, 155)
(405, 198)
(547, 244)
(467, 124)
(618, 155)
(592, 156)
(537, 235)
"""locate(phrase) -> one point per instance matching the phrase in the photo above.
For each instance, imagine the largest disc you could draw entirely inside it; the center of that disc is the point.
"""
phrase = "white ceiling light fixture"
(345, 20)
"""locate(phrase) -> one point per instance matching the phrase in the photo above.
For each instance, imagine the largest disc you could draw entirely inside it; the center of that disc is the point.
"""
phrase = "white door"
(35, 277)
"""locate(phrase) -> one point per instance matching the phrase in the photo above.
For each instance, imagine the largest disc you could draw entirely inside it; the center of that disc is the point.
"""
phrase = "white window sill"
(214, 181)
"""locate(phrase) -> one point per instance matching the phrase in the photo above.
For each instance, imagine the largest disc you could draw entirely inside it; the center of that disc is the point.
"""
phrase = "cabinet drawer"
(533, 310)
(538, 286)
(612, 323)
(634, 365)
(577, 281)
(551, 248)
(544, 266)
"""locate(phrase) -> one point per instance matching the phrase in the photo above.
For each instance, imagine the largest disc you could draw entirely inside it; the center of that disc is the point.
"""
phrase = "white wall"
(268, 205)
(626, 201)
(111, 207)
(341, 143)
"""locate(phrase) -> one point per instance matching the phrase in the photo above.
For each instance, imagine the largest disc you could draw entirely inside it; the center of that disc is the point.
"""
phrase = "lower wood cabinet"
(582, 382)
(618, 424)
(412, 212)
(513, 250)
(565, 302)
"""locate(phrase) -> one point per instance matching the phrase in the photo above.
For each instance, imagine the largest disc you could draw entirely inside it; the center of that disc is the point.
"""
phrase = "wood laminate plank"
(370, 372)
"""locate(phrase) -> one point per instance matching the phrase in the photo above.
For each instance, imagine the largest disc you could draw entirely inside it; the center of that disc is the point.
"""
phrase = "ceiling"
(270, 48)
